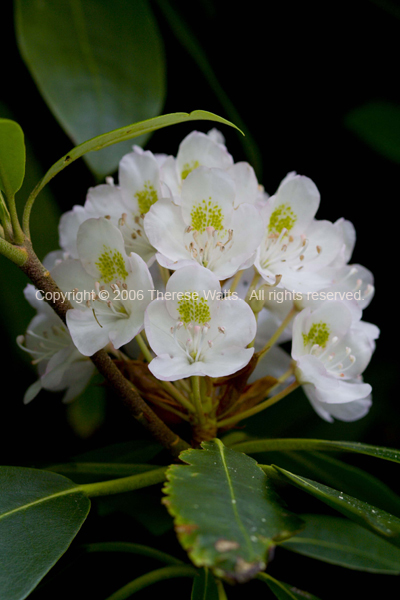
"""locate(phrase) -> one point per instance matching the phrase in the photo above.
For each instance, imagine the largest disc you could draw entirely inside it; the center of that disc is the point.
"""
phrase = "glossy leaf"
(98, 65)
(40, 514)
(12, 157)
(378, 125)
(226, 513)
(376, 520)
(342, 542)
(204, 586)
(255, 446)
(119, 135)
(283, 591)
(340, 475)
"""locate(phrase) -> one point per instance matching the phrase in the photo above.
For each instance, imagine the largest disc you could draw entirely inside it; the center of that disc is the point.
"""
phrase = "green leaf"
(338, 474)
(284, 591)
(98, 65)
(226, 513)
(119, 135)
(255, 446)
(40, 514)
(12, 157)
(376, 520)
(204, 586)
(378, 125)
(342, 542)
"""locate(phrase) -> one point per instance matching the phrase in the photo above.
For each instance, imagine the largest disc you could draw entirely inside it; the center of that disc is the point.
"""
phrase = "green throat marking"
(207, 214)
(318, 334)
(193, 309)
(146, 198)
(283, 217)
(188, 168)
(111, 265)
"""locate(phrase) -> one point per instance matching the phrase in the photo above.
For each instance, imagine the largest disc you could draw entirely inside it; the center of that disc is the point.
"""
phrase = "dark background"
(293, 71)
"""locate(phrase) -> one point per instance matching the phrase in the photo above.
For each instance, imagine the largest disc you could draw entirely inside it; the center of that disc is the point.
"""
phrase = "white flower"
(208, 227)
(125, 205)
(108, 289)
(196, 150)
(331, 349)
(295, 245)
(61, 366)
(201, 150)
(195, 332)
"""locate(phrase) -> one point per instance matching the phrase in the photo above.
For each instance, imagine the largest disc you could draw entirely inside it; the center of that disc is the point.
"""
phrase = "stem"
(235, 281)
(133, 549)
(5, 220)
(282, 379)
(150, 578)
(170, 409)
(17, 255)
(41, 278)
(259, 407)
(221, 591)
(181, 383)
(253, 285)
(197, 398)
(277, 333)
(125, 484)
(17, 231)
(144, 349)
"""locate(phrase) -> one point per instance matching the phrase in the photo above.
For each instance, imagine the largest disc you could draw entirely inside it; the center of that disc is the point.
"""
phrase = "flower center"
(207, 248)
(194, 339)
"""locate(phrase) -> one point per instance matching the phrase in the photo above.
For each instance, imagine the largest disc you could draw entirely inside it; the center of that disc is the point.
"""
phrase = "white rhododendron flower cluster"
(234, 272)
